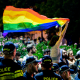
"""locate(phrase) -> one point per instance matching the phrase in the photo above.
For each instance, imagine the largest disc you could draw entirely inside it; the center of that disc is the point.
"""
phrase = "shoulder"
(56, 75)
(24, 75)
(76, 77)
(39, 74)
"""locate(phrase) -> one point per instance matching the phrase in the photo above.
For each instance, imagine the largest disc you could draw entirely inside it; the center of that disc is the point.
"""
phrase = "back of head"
(8, 48)
(47, 51)
(55, 67)
(53, 40)
(29, 47)
(47, 62)
(18, 54)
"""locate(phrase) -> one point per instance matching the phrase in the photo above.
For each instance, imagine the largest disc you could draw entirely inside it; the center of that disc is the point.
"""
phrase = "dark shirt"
(61, 60)
(27, 76)
(1, 58)
(19, 62)
(47, 75)
(9, 70)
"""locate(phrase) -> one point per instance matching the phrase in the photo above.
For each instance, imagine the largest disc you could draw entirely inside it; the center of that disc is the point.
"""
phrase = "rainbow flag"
(26, 20)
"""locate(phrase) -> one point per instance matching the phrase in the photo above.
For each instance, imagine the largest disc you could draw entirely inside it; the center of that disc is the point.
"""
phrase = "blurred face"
(17, 58)
(71, 55)
(35, 67)
(47, 53)
(64, 54)
(33, 49)
(57, 72)
(66, 74)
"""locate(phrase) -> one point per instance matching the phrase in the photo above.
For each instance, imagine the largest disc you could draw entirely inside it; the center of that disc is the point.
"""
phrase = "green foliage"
(64, 9)
(2, 41)
(22, 48)
(40, 49)
(72, 47)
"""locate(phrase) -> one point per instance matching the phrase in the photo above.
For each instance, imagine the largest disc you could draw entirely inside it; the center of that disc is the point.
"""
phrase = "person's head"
(35, 40)
(70, 54)
(65, 72)
(31, 48)
(64, 54)
(53, 40)
(77, 54)
(78, 69)
(28, 38)
(55, 68)
(74, 67)
(32, 64)
(46, 52)
(9, 49)
(18, 54)
(46, 63)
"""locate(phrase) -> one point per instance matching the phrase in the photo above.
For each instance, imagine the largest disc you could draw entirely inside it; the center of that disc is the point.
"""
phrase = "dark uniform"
(27, 74)
(10, 70)
(28, 77)
(47, 75)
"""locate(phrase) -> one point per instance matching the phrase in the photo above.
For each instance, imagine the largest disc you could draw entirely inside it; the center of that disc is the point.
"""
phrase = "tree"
(64, 9)
(50, 8)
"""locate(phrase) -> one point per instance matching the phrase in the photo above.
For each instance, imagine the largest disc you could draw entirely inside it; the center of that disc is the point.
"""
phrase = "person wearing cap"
(65, 72)
(77, 62)
(31, 67)
(77, 77)
(46, 52)
(8, 68)
(55, 68)
(47, 73)
(74, 67)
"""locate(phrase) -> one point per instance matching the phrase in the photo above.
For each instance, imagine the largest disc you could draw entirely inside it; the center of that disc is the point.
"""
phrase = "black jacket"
(9, 70)
(47, 75)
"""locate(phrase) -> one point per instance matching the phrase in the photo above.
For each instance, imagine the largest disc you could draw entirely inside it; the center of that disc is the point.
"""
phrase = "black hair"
(53, 40)
(29, 48)
(18, 54)
(47, 50)
(47, 66)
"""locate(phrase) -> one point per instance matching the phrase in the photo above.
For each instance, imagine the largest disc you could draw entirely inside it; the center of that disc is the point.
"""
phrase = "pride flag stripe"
(17, 19)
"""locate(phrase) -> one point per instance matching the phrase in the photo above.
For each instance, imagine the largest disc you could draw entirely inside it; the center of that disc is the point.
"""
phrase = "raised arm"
(55, 53)
(60, 30)
(62, 34)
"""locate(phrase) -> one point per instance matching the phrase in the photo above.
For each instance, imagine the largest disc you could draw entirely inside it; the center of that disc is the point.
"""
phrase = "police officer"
(47, 73)
(55, 68)
(9, 70)
(77, 77)
(65, 72)
(31, 67)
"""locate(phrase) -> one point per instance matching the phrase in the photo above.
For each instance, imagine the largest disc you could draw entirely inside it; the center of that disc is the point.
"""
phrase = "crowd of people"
(56, 64)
